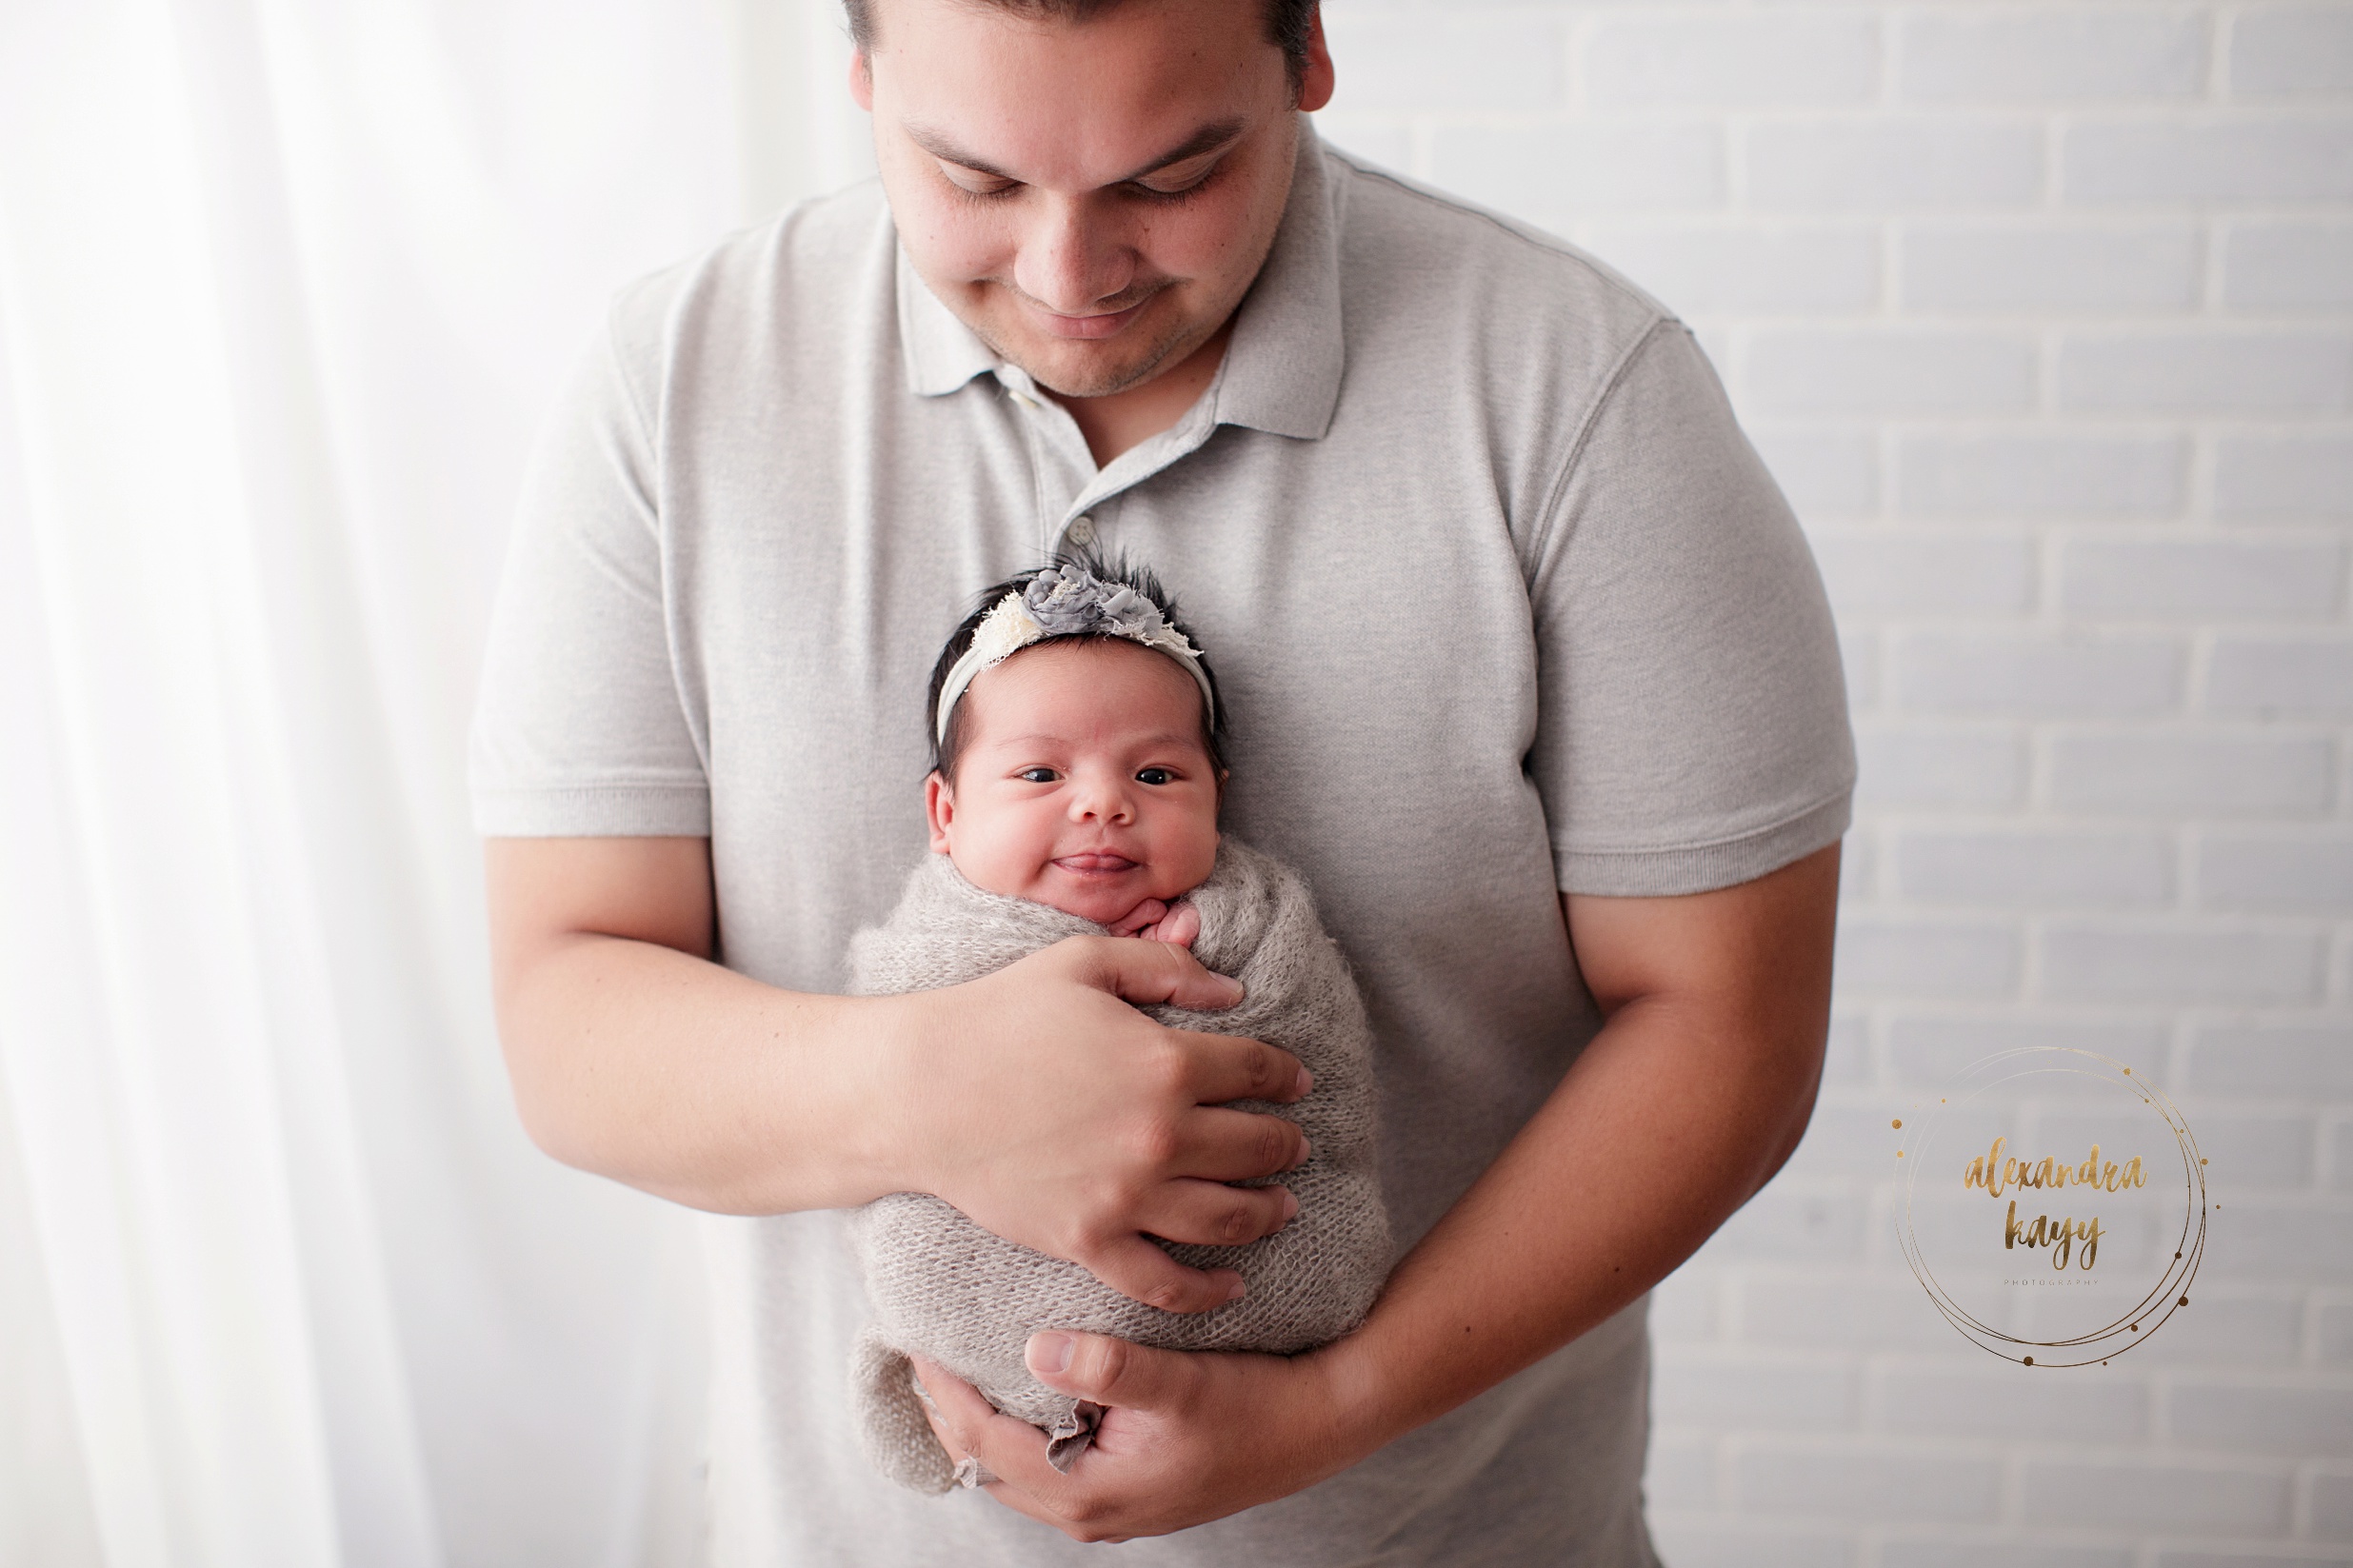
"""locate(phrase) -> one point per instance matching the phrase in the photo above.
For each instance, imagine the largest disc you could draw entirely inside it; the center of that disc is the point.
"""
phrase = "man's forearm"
(1686, 1103)
(693, 1082)
(1628, 1167)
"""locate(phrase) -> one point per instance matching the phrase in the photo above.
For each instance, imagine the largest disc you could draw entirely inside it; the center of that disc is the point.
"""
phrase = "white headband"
(1067, 602)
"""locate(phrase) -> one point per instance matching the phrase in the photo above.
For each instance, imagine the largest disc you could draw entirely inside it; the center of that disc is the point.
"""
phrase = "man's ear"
(939, 809)
(1316, 81)
(862, 81)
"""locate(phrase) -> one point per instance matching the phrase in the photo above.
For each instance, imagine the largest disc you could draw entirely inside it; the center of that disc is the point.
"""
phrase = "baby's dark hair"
(946, 744)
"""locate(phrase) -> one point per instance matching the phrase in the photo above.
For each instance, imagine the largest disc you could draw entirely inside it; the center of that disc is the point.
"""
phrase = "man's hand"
(1185, 1437)
(1052, 1113)
(1037, 1100)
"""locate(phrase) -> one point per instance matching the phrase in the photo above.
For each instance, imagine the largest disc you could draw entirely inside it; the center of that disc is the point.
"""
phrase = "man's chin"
(1090, 380)
(1071, 368)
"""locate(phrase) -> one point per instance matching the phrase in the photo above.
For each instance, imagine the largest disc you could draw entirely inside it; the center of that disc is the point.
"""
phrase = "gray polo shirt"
(1502, 603)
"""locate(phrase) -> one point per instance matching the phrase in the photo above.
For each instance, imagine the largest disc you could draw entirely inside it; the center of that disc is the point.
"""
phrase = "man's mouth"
(1090, 327)
(1096, 862)
(1087, 328)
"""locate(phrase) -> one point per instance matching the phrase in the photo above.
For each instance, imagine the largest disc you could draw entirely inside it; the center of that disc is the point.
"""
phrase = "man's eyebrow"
(1209, 138)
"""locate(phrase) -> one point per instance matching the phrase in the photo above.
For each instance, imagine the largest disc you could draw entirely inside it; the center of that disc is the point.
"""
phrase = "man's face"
(1091, 199)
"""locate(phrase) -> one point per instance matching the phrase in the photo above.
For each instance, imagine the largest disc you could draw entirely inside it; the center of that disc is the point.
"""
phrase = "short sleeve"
(578, 727)
(1692, 727)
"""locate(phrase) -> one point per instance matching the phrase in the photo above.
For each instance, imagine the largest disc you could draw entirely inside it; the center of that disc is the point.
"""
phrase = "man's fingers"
(1134, 1266)
(1111, 1372)
(1212, 1214)
(1223, 1067)
(1012, 1451)
(1023, 1501)
(952, 1407)
(1147, 972)
(968, 1424)
(1223, 1146)
(1217, 1067)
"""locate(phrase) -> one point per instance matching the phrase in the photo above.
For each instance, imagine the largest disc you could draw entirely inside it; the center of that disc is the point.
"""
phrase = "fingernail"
(1233, 988)
(1290, 1205)
(1050, 1351)
(1306, 1081)
(1306, 1152)
(1238, 1290)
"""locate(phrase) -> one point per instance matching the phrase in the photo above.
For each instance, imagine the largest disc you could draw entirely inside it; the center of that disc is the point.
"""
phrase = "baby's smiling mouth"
(1096, 862)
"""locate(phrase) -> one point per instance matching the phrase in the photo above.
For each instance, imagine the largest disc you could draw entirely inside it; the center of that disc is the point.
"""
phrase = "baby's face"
(1083, 782)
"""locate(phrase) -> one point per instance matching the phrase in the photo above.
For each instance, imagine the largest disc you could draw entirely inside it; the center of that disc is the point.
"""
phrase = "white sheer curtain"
(284, 285)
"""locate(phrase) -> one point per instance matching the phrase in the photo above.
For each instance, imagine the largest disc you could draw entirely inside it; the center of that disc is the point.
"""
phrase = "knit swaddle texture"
(942, 1287)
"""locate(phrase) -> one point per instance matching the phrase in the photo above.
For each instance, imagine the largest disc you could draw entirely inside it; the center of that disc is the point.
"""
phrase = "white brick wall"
(2042, 311)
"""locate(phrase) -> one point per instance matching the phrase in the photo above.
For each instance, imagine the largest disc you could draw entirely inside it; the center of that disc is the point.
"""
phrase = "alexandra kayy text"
(1994, 1173)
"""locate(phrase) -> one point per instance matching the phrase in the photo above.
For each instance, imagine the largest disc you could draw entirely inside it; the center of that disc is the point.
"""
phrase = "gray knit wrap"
(942, 1287)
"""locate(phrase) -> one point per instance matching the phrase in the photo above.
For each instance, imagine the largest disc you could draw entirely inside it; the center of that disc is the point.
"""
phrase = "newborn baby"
(1075, 792)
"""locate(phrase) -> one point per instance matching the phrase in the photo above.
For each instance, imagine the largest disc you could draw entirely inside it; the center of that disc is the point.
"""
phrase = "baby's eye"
(1038, 775)
(1154, 776)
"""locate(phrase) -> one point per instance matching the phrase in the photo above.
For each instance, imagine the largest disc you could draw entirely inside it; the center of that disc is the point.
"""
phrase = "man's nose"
(1075, 257)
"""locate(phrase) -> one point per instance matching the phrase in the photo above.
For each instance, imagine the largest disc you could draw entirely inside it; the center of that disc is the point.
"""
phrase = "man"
(1529, 673)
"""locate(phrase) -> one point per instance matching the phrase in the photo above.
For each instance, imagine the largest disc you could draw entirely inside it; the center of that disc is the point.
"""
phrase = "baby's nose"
(1105, 801)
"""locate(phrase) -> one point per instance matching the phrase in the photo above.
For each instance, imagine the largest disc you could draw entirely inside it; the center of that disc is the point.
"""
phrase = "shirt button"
(1082, 531)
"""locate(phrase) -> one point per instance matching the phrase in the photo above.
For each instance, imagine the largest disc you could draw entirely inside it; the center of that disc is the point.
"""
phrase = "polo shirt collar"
(1281, 368)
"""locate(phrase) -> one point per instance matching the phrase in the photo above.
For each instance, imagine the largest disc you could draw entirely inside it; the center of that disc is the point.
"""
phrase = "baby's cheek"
(1196, 857)
(998, 855)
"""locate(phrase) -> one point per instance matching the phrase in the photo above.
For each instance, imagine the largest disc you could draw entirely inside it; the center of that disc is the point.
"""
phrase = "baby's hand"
(1139, 921)
(1178, 928)
(1152, 921)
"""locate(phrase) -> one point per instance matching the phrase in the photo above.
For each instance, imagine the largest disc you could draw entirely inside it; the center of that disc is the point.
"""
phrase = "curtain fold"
(284, 286)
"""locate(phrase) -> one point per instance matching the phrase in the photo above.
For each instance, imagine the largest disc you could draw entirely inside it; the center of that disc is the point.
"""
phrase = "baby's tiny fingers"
(1179, 926)
(1138, 920)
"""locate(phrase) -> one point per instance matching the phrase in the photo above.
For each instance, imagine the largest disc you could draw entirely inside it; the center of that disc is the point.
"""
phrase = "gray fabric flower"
(1073, 601)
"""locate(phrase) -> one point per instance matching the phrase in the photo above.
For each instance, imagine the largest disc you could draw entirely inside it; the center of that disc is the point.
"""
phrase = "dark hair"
(945, 747)
(1290, 23)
